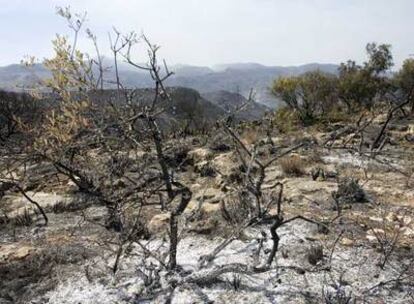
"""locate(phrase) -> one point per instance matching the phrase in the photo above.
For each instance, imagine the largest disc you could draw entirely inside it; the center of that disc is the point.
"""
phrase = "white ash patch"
(355, 266)
(347, 159)
(363, 162)
(79, 290)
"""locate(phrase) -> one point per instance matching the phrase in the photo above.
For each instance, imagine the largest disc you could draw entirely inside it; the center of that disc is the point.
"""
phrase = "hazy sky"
(207, 32)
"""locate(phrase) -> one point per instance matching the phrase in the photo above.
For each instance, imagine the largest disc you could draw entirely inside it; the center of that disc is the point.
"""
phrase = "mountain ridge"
(233, 77)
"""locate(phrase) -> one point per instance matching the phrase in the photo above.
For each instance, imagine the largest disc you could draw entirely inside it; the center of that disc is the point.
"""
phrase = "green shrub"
(286, 120)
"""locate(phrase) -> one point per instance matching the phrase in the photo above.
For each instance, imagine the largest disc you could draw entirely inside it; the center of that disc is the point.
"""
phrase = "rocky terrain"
(140, 185)
(361, 251)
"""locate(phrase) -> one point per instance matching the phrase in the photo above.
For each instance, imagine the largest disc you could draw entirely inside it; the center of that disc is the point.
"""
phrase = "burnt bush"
(207, 170)
(219, 144)
(177, 157)
(349, 191)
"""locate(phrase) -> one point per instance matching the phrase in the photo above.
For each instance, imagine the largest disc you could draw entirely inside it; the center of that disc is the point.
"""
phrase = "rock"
(376, 219)
(209, 195)
(224, 163)
(44, 199)
(205, 227)
(408, 231)
(206, 209)
(14, 252)
(401, 220)
(159, 223)
(200, 154)
(71, 186)
(195, 187)
(315, 191)
(372, 234)
(406, 220)
(134, 286)
(347, 242)
(22, 252)
(209, 208)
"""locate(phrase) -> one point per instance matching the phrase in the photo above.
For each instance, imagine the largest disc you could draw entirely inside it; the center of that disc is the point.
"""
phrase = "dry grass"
(355, 173)
(293, 165)
(250, 136)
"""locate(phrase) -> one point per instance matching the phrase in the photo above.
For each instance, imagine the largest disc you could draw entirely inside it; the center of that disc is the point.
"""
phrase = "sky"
(209, 32)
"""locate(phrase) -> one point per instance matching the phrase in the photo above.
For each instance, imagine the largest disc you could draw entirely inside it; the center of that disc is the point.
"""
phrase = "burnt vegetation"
(141, 171)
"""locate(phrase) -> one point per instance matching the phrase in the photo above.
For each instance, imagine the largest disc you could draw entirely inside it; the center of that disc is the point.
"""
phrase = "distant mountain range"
(234, 78)
(188, 107)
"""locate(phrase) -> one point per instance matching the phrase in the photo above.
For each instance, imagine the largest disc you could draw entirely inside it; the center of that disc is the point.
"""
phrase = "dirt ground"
(71, 259)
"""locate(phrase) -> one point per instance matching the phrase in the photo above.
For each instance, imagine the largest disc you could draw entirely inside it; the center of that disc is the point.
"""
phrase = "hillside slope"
(188, 104)
(231, 102)
(236, 78)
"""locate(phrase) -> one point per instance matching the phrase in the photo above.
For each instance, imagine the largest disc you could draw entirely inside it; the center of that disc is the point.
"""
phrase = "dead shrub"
(387, 233)
(237, 209)
(235, 282)
(315, 254)
(119, 164)
(207, 171)
(177, 157)
(220, 143)
(24, 219)
(62, 206)
(337, 294)
(349, 191)
(292, 165)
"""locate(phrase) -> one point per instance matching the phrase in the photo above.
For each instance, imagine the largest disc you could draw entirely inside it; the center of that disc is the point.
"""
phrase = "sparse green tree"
(404, 80)
(355, 86)
(310, 95)
(380, 58)
(360, 85)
